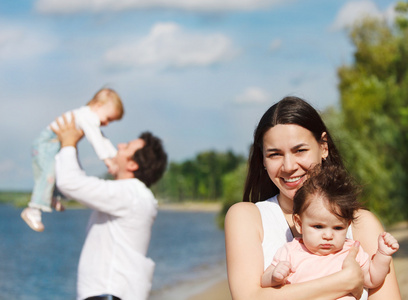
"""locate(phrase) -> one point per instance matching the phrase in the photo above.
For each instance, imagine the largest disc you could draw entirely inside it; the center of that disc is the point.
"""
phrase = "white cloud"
(275, 44)
(75, 6)
(168, 45)
(252, 95)
(22, 43)
(355, 11)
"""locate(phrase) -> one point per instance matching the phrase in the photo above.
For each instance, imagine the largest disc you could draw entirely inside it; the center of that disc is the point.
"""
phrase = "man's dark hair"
(152, 160)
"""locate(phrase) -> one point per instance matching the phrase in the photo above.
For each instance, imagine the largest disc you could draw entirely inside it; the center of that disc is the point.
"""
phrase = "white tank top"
(277, 231)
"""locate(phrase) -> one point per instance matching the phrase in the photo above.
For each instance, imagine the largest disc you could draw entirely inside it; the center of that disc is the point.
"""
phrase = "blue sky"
(197, 73)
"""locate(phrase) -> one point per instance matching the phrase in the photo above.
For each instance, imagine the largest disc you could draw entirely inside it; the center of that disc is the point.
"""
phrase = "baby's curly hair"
(335, 185)
(152, 160)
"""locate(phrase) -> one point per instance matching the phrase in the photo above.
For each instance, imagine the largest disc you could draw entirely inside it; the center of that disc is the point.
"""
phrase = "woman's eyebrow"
(299, 146)
(293, 148)
(272, 150)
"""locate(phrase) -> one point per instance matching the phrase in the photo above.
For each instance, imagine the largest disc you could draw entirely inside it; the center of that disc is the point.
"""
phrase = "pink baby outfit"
(309, 266)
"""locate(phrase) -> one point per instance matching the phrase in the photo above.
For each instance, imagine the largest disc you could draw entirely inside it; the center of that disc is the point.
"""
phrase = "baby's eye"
(338, 228)
(318, 226)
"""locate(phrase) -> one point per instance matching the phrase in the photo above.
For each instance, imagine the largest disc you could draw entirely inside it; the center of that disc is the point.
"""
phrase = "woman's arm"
(243, 240)
(366, 229)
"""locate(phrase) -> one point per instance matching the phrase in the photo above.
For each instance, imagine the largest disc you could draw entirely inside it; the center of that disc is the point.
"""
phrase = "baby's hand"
(282, 270)
(387, 244)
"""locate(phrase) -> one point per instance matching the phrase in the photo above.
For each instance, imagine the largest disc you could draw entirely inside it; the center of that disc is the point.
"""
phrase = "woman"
(290, 139)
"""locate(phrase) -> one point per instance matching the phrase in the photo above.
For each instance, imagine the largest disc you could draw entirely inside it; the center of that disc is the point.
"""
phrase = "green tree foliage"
(233, 183)
(373, 125)
(199, 179)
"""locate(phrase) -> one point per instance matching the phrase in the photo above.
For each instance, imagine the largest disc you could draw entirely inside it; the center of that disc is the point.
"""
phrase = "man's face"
(125, 152)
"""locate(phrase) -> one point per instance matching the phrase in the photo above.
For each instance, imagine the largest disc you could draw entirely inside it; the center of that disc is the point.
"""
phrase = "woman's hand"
(353, 272)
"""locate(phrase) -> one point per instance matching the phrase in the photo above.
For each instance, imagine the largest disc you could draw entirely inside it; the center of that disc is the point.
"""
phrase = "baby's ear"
(298, 223)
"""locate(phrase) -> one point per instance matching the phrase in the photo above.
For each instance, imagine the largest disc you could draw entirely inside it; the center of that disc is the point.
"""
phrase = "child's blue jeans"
(44, 149)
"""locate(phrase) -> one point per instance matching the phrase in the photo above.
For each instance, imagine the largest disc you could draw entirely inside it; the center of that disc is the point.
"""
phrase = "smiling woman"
(289, 140)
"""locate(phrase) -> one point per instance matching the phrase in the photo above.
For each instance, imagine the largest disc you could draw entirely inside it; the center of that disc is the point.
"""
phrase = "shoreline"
(195, 289)
(191, 206)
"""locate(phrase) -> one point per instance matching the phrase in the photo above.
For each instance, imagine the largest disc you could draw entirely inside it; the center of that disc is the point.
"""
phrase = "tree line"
(198, 179)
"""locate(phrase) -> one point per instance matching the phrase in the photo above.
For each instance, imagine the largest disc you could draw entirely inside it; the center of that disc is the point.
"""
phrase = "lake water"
(33, 266)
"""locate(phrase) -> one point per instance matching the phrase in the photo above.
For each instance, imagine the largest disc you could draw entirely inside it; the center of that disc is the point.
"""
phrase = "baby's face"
(322, 232)
(107, 112)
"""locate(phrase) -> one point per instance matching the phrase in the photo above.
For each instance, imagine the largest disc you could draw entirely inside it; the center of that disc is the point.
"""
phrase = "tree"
(233, 184)
(374, 101)
(197, 179)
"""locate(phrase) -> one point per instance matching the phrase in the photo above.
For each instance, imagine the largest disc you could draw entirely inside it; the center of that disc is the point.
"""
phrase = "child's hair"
(104, 95)
(152, 160)
(335, 185)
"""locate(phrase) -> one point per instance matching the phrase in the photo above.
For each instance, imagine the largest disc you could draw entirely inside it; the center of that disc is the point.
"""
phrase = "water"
(34, 266)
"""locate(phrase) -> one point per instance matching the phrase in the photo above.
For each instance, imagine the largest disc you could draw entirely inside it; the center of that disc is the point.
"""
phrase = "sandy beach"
(220, 290)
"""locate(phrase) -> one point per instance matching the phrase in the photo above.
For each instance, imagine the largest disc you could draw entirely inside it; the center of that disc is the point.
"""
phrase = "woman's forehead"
(287, 134)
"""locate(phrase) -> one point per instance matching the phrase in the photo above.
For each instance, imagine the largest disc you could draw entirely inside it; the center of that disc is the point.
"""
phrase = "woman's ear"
(324, 146)
(298, 223)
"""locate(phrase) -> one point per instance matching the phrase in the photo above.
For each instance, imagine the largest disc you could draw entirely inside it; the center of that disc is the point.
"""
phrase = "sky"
(197, 73)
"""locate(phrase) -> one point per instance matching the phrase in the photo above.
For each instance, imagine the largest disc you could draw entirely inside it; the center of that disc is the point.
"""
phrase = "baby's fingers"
(390, 241)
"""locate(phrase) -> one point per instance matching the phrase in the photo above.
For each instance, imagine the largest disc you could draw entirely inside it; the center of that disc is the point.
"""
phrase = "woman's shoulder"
(242, 208)
(366, 229)
(365, 219)
(243, 213)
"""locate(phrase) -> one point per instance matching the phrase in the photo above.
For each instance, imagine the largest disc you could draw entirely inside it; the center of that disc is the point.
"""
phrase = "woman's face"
(288, 152)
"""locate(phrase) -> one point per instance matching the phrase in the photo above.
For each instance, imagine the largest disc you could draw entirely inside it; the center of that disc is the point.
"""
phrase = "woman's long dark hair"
(290, 110)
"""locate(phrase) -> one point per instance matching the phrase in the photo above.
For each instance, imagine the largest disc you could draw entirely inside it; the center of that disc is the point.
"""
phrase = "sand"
(220, 290)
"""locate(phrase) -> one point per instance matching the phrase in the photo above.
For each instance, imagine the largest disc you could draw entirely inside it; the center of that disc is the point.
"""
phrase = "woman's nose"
(288, 163)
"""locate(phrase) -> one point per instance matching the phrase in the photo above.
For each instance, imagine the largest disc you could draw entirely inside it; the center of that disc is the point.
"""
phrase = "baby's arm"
(274, 276)
(112, 165)
(380, 263)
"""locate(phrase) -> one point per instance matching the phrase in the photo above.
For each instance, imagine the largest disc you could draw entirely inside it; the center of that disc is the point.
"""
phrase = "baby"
(324, 208)
(105, 107)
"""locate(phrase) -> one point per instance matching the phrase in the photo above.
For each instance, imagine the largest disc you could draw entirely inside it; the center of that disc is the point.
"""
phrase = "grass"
(16, 198)
(21, 199)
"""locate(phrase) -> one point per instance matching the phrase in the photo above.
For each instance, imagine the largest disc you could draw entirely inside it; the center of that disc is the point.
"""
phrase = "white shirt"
(277, 231)
(113, 259)
(89, 122)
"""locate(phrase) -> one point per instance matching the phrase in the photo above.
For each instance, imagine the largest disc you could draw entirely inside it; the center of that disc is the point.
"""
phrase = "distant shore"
(192, 206)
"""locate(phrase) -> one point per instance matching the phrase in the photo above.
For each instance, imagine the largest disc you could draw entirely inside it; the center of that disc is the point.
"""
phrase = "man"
(113, 262)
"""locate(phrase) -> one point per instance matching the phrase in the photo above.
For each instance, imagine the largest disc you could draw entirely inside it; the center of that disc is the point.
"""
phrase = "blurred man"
(113, 262)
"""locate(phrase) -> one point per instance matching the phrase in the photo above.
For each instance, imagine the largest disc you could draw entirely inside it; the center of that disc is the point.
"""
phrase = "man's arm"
(71, 180)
